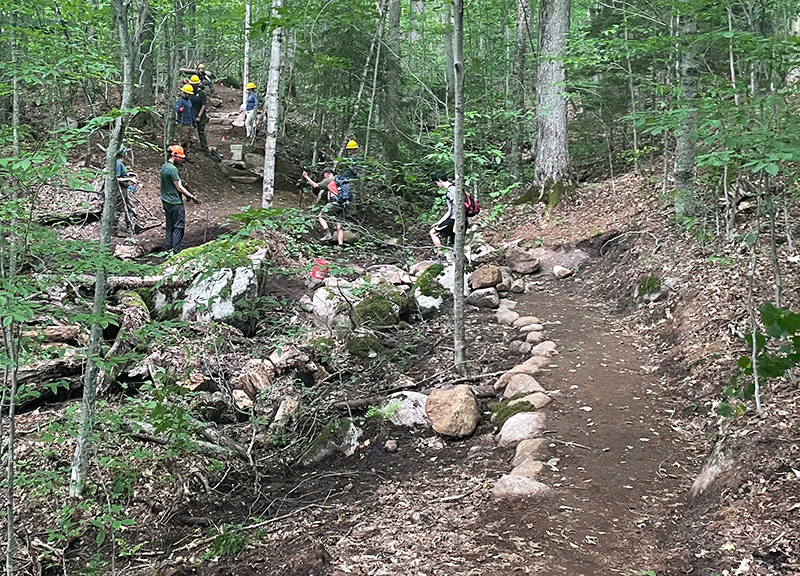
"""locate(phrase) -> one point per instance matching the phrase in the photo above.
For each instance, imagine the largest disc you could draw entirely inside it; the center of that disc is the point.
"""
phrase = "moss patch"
(377, 310)
(222, 253)
(504, 410)
(427, 284)
(362, 343)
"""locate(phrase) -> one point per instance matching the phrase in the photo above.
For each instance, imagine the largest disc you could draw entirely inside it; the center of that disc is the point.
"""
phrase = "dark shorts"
(333, 212)
(445, 229)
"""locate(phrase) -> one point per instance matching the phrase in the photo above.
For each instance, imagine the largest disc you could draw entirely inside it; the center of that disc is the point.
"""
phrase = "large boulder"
(453, 412)
(521, 261)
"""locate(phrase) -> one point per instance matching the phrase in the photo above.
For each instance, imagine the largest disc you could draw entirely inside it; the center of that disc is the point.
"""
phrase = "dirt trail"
(619, 475)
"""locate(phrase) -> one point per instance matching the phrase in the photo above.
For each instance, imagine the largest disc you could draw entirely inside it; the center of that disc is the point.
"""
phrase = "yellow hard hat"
(201, 66)
(352, 144)
(251, 86)
(194, 79)
(188, 89)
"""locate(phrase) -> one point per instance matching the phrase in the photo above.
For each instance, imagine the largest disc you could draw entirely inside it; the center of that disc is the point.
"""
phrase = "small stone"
(534, 337)
(547, 348)
(522, 384)
(522, 426)
(528, 469)
(560, 272)
(506, 316)
(531, 449)
(509, 486)
(525, 321)
(391, 446)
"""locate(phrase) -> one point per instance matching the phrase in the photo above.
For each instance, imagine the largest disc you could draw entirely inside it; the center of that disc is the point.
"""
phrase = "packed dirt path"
(620, 477)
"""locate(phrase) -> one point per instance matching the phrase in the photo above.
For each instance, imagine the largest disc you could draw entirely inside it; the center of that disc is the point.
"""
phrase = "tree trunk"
(146, 72)
(518, 89)
(458, 157)
(268, 188)
(246, 66)
(687, 130)
(15, 96)
(390, 109)
(552, 175)
(80, 462)
(447, 40)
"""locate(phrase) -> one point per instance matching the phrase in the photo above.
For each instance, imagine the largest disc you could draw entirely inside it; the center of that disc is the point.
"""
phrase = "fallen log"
(57, 333)
(133, 316)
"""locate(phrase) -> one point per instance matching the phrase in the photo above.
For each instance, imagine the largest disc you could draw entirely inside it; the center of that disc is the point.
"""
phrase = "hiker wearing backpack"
(443, 231)
(333, 212)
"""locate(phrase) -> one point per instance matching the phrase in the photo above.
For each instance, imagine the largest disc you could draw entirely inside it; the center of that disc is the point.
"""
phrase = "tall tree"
(391, 109)
(80, 462)
(518, 88)
(458, 157)
(268, 188)
(689, 66)
(552, 174)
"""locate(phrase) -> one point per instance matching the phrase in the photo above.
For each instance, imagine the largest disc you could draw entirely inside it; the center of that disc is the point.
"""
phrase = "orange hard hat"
(177, 150)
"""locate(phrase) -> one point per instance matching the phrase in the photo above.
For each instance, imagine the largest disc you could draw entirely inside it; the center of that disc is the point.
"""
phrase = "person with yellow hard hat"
(184, 116)
(172, 193)
(251, 106)
(199, 102)
(205, 76)
(350, 173)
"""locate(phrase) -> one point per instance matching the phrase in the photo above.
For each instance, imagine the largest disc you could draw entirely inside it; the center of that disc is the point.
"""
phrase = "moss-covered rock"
(427, 284)
(504, 410)
(378, 309)
(362, 343)
(220, 253)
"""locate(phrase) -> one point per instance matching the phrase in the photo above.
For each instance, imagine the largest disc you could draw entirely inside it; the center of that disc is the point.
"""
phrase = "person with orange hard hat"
(172, 193)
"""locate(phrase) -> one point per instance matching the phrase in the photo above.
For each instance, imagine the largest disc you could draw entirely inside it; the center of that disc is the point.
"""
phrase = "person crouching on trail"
(333, 212)
(172, 193)
(184, 117)
(251, 106)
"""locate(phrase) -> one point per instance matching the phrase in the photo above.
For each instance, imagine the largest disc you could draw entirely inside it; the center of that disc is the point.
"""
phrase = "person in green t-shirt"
(172, 193)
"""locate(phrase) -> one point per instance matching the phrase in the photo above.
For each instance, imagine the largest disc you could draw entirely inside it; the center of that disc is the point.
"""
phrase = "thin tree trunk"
(83, 441)
(449, 68)
(376, 40)
(383, 9)
(145, 51)
(246, 66)
(15, 81)
(270, 145)
(687, 131)
(458, 157)
(632, 90)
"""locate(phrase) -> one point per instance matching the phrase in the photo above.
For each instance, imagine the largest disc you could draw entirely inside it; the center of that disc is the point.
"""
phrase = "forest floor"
(631, 424)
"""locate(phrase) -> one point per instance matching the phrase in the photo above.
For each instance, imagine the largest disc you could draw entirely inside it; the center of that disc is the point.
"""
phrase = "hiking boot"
(326, 238)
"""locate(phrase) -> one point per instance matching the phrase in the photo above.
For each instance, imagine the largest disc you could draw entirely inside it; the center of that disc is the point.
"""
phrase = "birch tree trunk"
(270, 145)
(458, 157)
(552, 174)
(449, 69)
(246, 66)
(83, 441)
(689, 66)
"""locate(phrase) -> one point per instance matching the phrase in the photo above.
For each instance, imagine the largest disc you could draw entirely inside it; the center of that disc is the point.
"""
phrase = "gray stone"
(522, 426)
(532, 449)
(537, 360)
(407, 409)
(506, 316)
(519, 347)
(453, 412)
(526, 321)
(561, 272)
(546, 348)
(509, 486)
(528, 469)
(510, 304)
(484, 298)
(507, 279)
(340, 435)
(531, 328)
(534, 337)
(427, 305)
(505, 378)
(517, 287)
(521, 261)
(486, 276)
(521, 384)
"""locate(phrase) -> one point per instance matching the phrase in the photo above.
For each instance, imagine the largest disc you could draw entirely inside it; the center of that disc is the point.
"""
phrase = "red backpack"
(471, 205)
